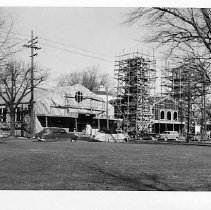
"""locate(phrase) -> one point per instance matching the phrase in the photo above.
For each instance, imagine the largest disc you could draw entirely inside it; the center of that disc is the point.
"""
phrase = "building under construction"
(188, 86)
(135, 78)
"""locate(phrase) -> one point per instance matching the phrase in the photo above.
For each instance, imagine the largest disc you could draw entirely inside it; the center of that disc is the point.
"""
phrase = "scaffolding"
(135, 78)
(189, 88)
(175, 83)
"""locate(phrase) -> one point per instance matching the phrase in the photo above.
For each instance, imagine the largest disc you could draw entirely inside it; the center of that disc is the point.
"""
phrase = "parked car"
(181, 139)
(148, 136)
(105, 135)
(169, 136)
(55, 134)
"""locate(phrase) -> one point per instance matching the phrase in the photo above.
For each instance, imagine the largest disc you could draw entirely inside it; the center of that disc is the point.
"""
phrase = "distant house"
(103, 93)
(166, 117)
(71, 107)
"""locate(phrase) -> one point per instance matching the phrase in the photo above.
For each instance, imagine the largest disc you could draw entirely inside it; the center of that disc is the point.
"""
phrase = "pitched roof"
(55, 101)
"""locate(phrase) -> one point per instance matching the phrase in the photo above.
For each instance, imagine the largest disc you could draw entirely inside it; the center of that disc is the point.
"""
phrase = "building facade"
(71, 107)
(163, 115)
(165, 111)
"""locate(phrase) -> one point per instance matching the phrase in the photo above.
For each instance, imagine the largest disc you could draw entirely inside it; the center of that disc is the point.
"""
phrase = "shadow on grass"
(142, 182)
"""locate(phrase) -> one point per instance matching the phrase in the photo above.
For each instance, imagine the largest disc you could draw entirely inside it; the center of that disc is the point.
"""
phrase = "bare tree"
(69, 79)
(176, 27)
(7, 41)
(199, 82)
(187, 33)
(189, 84)
(90, 78)
(15, 84)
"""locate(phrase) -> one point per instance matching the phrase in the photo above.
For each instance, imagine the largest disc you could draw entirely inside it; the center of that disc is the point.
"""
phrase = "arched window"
(168, 115)
(79, 96)
(175, 116)
(162, 116)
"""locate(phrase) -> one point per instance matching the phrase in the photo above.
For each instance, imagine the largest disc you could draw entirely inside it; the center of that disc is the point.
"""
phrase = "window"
(79, 96)
(162, 115)
(18, 117)
(168, 115)
(4, 115)
(29, 109)
(175, 116)
(1, 114)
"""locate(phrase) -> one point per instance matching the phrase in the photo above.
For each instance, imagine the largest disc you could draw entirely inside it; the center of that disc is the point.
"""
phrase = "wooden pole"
(107, 119)
(32, 85)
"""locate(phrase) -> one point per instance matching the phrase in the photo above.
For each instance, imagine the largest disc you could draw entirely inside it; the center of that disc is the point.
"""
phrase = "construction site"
(189, 87)
(139, 105)
(135, 79)
(179, 105)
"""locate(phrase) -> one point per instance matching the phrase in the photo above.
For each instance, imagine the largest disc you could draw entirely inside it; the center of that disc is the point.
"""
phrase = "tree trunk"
(12, 122)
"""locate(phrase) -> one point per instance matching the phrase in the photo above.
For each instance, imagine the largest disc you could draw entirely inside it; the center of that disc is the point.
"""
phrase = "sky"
(74, 38)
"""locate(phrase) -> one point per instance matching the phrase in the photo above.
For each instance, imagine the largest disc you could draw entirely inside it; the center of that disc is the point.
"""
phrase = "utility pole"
(32, 44)
(203, 121)
(189, 107)
(107, 119)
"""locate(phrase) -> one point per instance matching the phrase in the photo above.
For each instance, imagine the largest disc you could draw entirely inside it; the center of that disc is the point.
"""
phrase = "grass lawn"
(103, 166)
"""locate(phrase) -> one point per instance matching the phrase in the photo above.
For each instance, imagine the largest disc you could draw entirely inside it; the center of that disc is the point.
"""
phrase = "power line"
(84, 51)
(81, 49)
(69, 50)
(75, 52)
(69, 46)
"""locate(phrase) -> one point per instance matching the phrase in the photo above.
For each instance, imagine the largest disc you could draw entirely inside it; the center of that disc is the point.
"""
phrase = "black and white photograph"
(106, 102)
